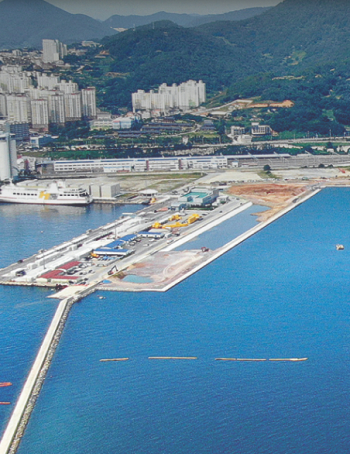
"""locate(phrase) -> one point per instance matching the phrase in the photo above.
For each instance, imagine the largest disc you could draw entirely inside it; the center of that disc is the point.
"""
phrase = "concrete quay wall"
(221, 251)
(188, 237)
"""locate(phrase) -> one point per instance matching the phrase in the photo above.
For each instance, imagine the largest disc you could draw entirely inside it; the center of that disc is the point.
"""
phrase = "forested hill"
(165, 52)
(288, 39)
(295, 33)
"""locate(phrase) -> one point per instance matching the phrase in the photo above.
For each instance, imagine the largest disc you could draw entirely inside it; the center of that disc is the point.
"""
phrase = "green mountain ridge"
(287, 39)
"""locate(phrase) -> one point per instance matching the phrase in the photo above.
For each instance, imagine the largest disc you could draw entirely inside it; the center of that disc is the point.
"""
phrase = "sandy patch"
(162, 268)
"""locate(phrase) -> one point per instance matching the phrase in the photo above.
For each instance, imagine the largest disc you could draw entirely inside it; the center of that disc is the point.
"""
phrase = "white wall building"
(68, 87)
(88, 101)
(53, 50)
(3, 108)
(47, 82)
(56, 108)
(8, 153)
(142, 164)
(13, 80)
(40, 113)
(72, 102)
(18, 108)
(187, 95)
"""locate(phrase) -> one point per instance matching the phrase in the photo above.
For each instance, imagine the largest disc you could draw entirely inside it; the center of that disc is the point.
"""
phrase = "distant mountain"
(24, 23)
(294, 34)
(294, 38)
(185, 20)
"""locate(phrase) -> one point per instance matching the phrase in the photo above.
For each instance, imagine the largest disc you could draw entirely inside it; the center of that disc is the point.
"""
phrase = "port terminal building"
(135, 164)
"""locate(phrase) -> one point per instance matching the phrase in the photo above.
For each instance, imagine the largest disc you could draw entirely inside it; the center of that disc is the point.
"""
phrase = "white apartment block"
(56, 108)
(68, 87)
(47, 82)
(72, 102)
(18, 108)
(60, 100)
(53, 50)
(88, 100)
(187, 95)
(3, 109)
(40, 113)
(13, 80)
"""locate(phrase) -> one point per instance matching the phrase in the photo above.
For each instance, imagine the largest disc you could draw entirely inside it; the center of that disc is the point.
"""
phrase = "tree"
(267, 168)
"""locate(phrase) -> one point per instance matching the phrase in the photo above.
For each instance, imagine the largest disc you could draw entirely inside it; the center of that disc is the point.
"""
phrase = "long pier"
(26, 401)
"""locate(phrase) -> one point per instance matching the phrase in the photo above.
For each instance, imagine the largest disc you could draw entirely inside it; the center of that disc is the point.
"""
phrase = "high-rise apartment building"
(57, 113)
(18, 108)
(88, 101)
(3, 109)
(47, 82)
(185, 96)
(40, 114)
(72, 102)
(13, 80)
(68, 87)
(53, 50)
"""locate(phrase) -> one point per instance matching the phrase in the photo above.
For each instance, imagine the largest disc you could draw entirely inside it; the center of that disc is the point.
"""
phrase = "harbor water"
(283, 293)
(25, 313)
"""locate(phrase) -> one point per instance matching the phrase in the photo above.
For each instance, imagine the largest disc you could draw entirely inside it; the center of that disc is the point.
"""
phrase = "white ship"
(55, 194)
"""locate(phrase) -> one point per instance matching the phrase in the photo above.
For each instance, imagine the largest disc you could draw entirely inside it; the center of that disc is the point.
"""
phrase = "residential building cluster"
(38, 99)
(170, 99)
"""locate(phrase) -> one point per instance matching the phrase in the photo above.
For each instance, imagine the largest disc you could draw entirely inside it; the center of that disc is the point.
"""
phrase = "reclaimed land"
(165, 269)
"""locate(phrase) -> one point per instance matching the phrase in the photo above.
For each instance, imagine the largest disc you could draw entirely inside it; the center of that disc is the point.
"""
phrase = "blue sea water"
(223, 233)
(25, 313)
(281, 293)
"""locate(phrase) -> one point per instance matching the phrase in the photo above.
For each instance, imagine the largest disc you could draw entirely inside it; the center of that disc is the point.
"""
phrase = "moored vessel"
(57, 193)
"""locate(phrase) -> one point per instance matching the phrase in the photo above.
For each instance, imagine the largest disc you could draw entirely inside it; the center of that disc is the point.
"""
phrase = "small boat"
(5, 403)
(339, 247)
(4, 384)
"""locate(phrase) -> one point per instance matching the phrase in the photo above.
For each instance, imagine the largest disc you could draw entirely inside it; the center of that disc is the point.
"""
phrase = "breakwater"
(31, 389)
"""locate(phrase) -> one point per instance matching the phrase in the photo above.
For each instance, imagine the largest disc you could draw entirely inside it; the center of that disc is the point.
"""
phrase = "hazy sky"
(102, 9)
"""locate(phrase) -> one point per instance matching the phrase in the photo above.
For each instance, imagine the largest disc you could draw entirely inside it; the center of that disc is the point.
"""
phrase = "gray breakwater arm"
(23, 400)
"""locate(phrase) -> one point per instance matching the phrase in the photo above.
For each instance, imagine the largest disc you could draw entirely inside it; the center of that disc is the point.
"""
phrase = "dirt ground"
(276, 196)
(162, 268)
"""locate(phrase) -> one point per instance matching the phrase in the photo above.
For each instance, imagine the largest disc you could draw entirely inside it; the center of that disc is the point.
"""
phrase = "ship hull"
(45, 202)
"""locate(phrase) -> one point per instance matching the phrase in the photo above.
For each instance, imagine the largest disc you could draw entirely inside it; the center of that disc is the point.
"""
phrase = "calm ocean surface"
(25, 313)
(282, 293)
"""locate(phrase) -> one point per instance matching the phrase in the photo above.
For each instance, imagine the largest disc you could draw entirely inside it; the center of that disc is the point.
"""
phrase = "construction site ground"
(161, 269)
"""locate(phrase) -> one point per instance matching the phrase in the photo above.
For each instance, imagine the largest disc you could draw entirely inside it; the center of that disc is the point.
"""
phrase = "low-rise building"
(198, 197)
